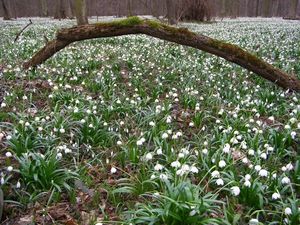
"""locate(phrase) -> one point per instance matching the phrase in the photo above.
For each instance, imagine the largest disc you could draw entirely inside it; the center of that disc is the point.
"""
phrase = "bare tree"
(7, 15)
(171, 12)
(44, 8)
(293, 9)
(80, 11)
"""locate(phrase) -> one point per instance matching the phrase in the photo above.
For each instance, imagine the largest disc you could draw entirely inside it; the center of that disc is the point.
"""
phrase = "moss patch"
(130, 21)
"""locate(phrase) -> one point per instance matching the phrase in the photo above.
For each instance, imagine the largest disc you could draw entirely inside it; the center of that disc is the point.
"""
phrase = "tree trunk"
(293, 9)
(171, 12)
(182, 36)
(129, 8)
(266, 8)
(80, 10)
(6, 10)
(44, 8)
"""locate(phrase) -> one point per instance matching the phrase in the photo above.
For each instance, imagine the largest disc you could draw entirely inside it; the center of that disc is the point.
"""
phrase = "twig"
(18, 35)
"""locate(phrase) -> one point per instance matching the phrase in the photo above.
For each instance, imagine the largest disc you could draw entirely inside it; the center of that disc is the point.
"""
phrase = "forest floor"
(135, 130)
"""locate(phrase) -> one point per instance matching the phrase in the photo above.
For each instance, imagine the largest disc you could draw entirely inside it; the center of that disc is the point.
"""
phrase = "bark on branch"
(183, 36)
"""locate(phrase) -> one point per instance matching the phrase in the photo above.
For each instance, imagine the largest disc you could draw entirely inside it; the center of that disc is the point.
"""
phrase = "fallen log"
(135, 25)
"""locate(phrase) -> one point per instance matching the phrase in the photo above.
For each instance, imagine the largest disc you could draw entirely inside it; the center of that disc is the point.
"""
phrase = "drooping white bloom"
(247, 177)
(10, 168)
(263, 173)
(226, 148)
(275, 196)
(219, 182)
(235, 190)
(152, 124)
(253, 222)
(62, 130)
(215, 174)
(159, 151)
(293, 134)
(176, 164)
(119, 142)
(287, 211)
(247, 183)
(194, 169)
(164, 136)
(257, 167)
(148, 156)
(285, 180)
(18, 185)
(158, 167)
(289, 167)
(222, 164)
(113, 170)
(163, 177)
(8, 154)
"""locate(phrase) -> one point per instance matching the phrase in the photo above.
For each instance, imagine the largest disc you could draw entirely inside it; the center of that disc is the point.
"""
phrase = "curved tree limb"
(183, 36)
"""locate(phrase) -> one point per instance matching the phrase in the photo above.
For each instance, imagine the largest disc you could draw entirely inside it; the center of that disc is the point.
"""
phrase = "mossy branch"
(136, 25)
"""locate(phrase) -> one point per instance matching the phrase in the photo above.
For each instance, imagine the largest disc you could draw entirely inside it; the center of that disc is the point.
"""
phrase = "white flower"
(152, 124)
(159, 151)
(58, 155)
(62, 130)
(158, 167)
(251, 152)
(164, 136)
(219, 182)
(113, 170)
(235, 190)
(247, 177)
(263, 173)
(10, 168)
(263, 155)
(215, 174)
(169, 119)
(222, 164)
(257, 167)
(253, 222)
(289, 167)
(18, 185)
(163, 177)
(275, 196)
(8, 154)
(285, 180)
(194, 169)
(287, 211)
(148, 156)
(293, 134)
(2, 181)
(226, 148)
(119, 142)
(204, 151)
(99, 224)
(191, 124)
(193, 212)
(247, 183)
(175, 164)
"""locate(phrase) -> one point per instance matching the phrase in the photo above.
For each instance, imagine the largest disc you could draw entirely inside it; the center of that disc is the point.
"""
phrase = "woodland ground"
(135, 130)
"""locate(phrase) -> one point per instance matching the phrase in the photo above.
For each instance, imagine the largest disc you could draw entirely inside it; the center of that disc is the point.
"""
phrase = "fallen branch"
(18, 35)
(135, 25)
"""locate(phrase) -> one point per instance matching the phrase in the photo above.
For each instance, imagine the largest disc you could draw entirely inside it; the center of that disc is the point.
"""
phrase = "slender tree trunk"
(171, 12)
(257, 8)
(155, 8)
(80, 10)
(181, 36)
(44, 8)
(129, 7)
(293, 9)
(6, 10)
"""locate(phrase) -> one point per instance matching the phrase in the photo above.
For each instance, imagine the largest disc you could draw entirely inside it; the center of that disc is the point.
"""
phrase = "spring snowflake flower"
(257, 168)
(113, 170)
(293, 134)
(263, 173)
(235, 190)
(204, 151)
(215, 174)
(164, 136)
(159, 151)
(176, 164)
(219, 182)
(119, 142)
(226, 148)
(222, 164)
(287, 211)
(62, 130)
(152, 124)
(58, 156)
(263, 155)
(18, 185)
(10, 168)
(158, 167)
(247, 177)
(2, 181)
(275, 196)
(247, 183)
(194, 169)
(163, 177)
(253, 222)
(289, 167)
(285, 180)
(191, 124)
(148, 156)
(8, 154)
